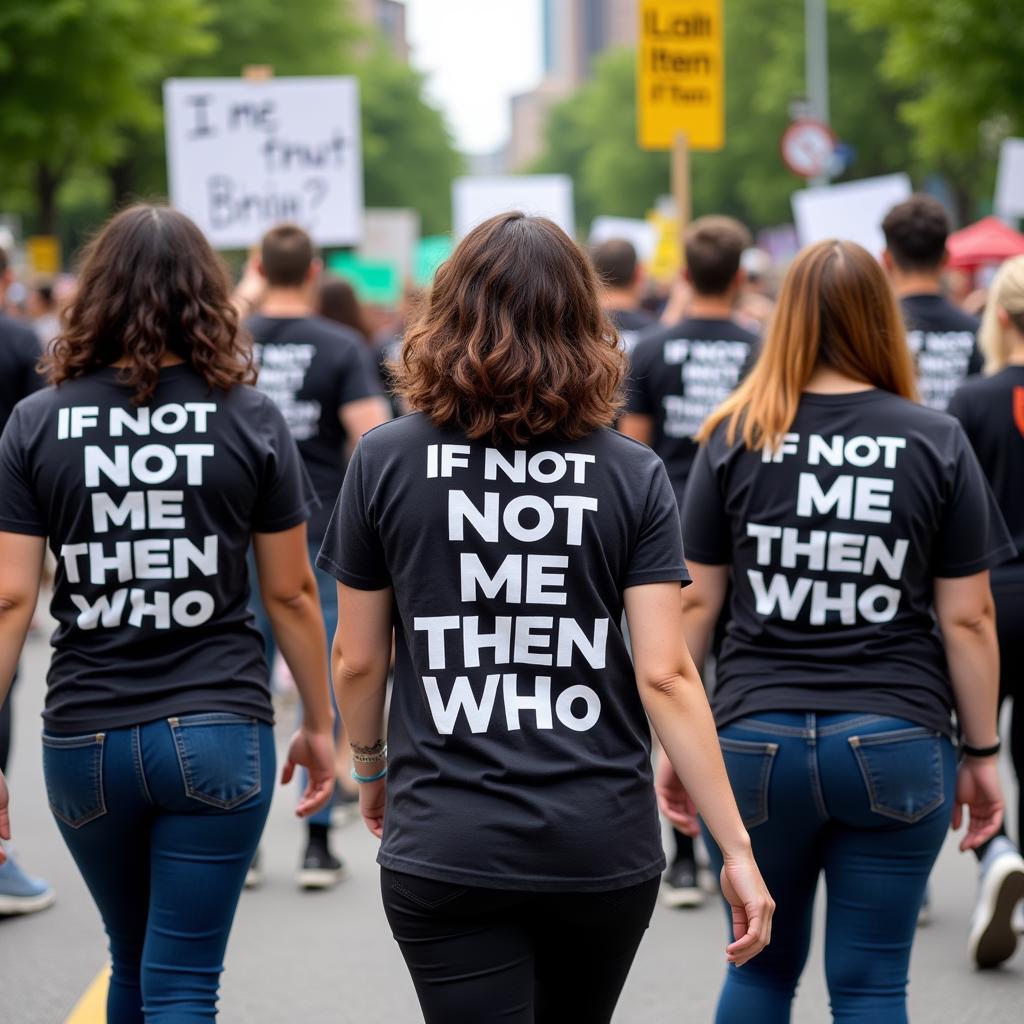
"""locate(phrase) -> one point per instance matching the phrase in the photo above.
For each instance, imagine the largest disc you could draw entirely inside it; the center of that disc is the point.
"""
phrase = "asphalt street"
(328, 957)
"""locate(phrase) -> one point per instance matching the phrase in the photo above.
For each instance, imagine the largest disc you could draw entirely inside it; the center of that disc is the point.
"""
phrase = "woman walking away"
(844, 514)
(991, 409)
(151, 466)
(501, 529)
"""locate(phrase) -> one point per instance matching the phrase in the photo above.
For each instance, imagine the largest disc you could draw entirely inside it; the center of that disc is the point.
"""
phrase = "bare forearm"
(681, 717)
(15, 619)
(361, 693)
(698, 629)
(299, 632)
(972, 654)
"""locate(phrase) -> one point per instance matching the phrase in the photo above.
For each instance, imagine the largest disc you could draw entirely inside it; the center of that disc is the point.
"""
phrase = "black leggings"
(478, 956)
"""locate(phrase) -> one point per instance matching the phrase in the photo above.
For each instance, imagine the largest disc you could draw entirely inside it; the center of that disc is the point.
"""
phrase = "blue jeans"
(864, 798)
(327, 588)
(163, 820)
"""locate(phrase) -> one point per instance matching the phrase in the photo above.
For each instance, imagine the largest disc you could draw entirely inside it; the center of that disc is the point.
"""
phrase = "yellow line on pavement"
(92, 1007)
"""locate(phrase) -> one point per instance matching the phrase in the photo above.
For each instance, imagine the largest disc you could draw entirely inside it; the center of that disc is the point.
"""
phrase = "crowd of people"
(750, 553)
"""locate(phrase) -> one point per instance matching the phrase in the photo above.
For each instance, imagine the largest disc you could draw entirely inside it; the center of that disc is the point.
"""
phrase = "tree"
(963, 66)
(592, 134)
(76, 77)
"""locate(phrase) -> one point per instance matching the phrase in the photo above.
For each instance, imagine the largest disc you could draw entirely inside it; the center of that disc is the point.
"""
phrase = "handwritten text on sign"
(244, 156)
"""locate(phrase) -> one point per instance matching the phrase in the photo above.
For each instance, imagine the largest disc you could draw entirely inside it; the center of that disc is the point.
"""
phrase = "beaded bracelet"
(372, 758)
(370, 778)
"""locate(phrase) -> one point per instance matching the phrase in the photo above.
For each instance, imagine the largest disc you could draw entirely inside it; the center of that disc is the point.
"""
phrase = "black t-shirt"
(519, 749)
(679, 376)
(944, 342)
(629, 323)
(834, 542)
(149, 513)
(311, 367)
(991, 410)
(19, 353)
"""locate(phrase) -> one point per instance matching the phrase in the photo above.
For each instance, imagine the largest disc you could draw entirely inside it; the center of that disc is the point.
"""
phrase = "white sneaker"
(992, 938)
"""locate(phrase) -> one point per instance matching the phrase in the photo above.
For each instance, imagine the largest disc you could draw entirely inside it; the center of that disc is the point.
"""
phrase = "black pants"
(478, 956)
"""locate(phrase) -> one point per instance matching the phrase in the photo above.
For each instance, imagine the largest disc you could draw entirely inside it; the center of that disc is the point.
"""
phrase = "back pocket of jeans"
(219, 755)
(73, 769)
(902, 772)
(749, 765)
(427, 893)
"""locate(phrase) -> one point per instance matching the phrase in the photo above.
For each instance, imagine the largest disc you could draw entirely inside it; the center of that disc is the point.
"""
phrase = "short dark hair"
(615, 262)
(714, 246)
(286, 253)
(512, 343)
(915, 233)
(151, 285)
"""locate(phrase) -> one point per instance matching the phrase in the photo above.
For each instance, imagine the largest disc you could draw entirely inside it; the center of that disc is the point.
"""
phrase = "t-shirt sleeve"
(637, 385)
(658, 552)
(360, 379)
(972, 535)
(286, 495)
(353, 552)
(19, 509)
(706, 534)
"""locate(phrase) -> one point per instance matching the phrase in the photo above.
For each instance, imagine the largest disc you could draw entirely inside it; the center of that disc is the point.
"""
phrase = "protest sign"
(474, 199)
(1010, 179)
(391, 235)
(244, 155)
(852, 211)
(641, 233)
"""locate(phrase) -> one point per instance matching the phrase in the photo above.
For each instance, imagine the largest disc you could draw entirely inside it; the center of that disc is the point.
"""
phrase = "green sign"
(431, 252)
(375, 281)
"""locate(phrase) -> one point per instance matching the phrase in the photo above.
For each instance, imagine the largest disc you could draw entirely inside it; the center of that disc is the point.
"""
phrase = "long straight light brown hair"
(835, 309)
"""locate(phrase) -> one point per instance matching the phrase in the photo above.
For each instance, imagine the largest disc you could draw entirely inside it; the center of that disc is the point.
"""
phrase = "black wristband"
(969, 751)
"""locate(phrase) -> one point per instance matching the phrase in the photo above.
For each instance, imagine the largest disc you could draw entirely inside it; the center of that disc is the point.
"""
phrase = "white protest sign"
(852, 211)
(641, 233)
(245, 155)
(1010, 179)
(475, 199)
(391, 235)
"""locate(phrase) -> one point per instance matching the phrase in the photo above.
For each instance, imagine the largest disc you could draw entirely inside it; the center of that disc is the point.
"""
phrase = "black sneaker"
(679, 887)
(320, 868)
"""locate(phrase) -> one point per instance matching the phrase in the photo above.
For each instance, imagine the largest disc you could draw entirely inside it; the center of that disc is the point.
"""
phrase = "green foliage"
(962, 62)
(591, 135)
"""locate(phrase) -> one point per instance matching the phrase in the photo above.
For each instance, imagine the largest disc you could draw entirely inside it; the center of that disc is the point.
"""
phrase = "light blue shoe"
(20, 894)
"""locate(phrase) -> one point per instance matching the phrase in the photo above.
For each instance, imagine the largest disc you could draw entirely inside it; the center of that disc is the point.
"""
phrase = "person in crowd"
(846, 516)
(622, 284)
(151, 466)
(322, 378)
(19, 353)
(757, 296)
(679, 374)
(991, 410)
(941, 336)
(521, 847)
(42, 311)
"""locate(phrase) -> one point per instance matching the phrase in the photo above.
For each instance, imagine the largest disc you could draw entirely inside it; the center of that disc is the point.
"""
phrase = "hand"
(752, 909)
(5, 820)
(315, 752)
(977, 786)
(252, 286)
(673, 800)
(371, 805)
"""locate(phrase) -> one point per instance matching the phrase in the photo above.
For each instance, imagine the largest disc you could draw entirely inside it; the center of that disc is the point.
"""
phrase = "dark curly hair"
(149, 286)
(512, 343)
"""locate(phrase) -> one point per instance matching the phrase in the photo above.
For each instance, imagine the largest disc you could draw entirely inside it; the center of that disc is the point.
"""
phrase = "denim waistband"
(809, 724)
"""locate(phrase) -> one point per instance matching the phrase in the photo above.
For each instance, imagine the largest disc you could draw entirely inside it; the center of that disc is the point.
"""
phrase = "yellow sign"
(680, 76)
(667, 261)
(42, 254)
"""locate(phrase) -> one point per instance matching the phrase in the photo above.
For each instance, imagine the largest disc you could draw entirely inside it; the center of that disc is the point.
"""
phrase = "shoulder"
(401, 432)
(15, 332)
(635, 456)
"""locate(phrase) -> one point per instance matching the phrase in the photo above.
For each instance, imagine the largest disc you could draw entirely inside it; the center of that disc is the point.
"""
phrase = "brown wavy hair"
(150, 286)
(835, 309)
(512, 343)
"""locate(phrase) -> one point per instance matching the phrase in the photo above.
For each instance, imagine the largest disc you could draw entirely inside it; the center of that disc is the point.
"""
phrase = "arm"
(966, 616)
(362, 415)
(21, 566)
(360, 660)
(702, 604)
(673, 695)
(637, 426)
(289, 592)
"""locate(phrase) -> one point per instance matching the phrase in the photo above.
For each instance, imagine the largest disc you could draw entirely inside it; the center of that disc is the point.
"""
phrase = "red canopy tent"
(987, 241)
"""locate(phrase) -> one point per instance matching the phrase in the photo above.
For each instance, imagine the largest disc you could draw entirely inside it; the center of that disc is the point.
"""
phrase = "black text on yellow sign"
(680, 73)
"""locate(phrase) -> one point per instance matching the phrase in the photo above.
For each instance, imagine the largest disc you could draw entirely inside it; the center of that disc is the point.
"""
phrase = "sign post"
(680, 85)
